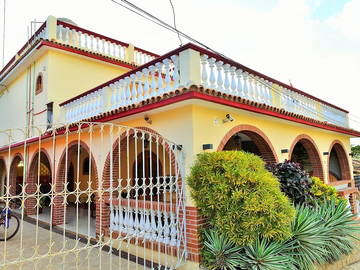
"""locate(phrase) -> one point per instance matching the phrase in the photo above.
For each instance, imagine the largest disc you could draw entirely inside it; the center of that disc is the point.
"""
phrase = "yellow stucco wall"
(65, 75)
(73, 74)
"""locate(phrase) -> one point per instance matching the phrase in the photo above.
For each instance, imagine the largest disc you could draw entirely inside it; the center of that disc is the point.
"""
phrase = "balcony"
(70, 35)
(193, 65)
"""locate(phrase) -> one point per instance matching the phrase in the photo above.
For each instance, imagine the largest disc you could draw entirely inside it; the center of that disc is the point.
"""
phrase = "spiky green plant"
(341, 228)
(266, 255)
(219, 252)
(322, 234)
(308, 240)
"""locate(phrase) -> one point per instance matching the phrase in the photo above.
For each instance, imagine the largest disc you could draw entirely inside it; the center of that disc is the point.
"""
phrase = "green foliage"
(308, 240)
(323, 192)
(219, 252)
(322, 234)
(340, 226)
(355, 150)
(240, 197)
(295, 182)
(266, 255)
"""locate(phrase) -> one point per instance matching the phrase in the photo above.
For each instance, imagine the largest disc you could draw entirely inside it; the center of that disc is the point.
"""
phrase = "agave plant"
(219, 252)
(309, 239)
(322, 234)
(266, 255)
(340, 226)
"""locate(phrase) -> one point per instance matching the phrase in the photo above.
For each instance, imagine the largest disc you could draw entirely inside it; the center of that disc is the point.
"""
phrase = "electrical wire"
(139, 11)
(173, 11)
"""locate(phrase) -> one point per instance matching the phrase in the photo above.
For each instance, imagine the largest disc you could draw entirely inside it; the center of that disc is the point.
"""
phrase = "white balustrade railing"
(86, 40)
(230, 79)
(152, 81)
(141, 58)
(149, 224)
(160, 77)
(93, 43)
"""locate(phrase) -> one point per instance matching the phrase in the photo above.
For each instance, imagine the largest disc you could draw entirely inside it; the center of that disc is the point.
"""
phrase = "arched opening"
(147, 169)
(339, 168)
(16, 180)
(78, 186)
(16, 175)
(39, 174)
(139, 168)
(3, 175)
(140, 172)
(249, 139)
(305, 153)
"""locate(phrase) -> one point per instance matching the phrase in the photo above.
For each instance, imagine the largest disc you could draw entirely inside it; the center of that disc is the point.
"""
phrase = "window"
(39, 84)
(49, 115)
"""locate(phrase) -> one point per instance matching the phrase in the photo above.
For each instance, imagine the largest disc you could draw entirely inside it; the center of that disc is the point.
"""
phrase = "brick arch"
(12, 173)
(339, 148)
(313, 153)
(2, 174)
(261, 141)
(105, 216)
(58, 209)
(31, 180)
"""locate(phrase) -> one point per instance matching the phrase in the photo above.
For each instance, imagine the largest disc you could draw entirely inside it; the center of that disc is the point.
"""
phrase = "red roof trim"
(12, 60)
(84, 53)
(200, 96)
(133, 71)
(211, 54)
(77, 28)
(233, 63)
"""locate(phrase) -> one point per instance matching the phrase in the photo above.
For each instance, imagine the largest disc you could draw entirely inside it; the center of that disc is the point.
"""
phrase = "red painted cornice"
(188, 96)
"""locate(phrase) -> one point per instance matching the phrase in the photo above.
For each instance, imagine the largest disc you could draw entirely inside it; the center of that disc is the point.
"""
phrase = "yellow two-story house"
(97, 137)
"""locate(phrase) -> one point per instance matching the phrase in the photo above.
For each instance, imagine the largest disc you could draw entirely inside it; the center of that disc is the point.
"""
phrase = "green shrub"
(323, 192)
(219, 253)
(240, 197)
(295, 182)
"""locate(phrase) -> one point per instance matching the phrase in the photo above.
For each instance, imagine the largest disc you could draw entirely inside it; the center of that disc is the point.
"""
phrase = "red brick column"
(194, 222)
(30, 200)
(59, 206)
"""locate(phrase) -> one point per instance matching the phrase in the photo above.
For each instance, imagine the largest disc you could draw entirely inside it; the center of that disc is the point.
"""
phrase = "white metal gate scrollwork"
(91, 196)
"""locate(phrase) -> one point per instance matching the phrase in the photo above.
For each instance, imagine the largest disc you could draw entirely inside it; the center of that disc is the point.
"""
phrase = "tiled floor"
(42, 249)
(77, 220)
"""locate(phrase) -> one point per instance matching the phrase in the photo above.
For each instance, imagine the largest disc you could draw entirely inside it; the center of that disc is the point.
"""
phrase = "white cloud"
(348, 21)
(322, 58)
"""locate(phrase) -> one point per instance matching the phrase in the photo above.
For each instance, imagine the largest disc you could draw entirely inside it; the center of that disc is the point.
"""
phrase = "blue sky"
(324, 9)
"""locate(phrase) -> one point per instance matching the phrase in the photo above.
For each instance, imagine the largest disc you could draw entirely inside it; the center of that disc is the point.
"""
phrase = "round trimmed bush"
(240, 197)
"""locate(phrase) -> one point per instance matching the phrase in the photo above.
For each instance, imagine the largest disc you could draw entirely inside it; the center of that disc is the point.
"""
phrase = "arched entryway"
(140, 170)
(40, 173)
(339, 168)
(16, 178)
(249, 139)
(304, 151)
(3, 177)
(77, 181)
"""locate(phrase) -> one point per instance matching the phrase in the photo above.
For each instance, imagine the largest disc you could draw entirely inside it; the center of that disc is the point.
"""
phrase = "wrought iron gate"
(91, 196)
